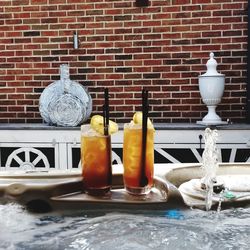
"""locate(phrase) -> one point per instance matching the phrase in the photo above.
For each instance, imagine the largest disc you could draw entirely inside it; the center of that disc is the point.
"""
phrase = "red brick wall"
(163, 47)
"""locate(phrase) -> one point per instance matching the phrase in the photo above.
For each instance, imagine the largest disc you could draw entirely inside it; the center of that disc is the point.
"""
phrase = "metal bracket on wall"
(142, 3)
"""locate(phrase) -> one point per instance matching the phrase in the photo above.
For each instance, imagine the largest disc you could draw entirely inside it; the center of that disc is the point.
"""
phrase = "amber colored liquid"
(132, 151)
(96, 163)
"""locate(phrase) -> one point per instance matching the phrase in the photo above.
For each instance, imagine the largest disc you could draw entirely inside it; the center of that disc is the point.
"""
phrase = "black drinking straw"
(144, 179)
(106, 132)
(106, 112)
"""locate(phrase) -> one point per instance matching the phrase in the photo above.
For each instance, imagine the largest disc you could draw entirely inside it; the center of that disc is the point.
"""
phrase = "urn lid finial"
(211, 66)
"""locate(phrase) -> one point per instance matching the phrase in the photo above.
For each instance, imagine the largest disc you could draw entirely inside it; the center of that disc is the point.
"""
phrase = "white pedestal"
(207, 123)
(211, 118)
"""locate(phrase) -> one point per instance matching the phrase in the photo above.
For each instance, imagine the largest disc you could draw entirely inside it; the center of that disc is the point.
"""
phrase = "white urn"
(211, 86)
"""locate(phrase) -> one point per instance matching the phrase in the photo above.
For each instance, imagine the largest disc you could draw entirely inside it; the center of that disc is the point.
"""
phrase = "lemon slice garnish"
(137, 119)
(97, 124)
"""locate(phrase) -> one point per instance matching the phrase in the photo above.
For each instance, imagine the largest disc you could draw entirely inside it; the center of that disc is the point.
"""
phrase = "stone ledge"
(158, 126)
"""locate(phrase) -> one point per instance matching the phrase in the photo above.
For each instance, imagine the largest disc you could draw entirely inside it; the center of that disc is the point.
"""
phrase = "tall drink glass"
(96, 161)
(132, 154)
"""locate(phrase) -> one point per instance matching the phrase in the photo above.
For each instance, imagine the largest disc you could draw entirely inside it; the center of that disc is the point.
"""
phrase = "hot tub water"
(144, 230)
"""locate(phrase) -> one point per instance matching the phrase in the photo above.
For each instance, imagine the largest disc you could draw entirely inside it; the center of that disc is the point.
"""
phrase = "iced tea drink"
(96, 161)
(132, 154)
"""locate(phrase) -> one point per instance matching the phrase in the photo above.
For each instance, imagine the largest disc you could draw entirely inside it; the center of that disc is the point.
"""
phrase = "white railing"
(42, 147)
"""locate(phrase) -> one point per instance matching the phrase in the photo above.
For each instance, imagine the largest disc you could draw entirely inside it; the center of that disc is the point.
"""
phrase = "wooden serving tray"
(162, 195)
(64, 189)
